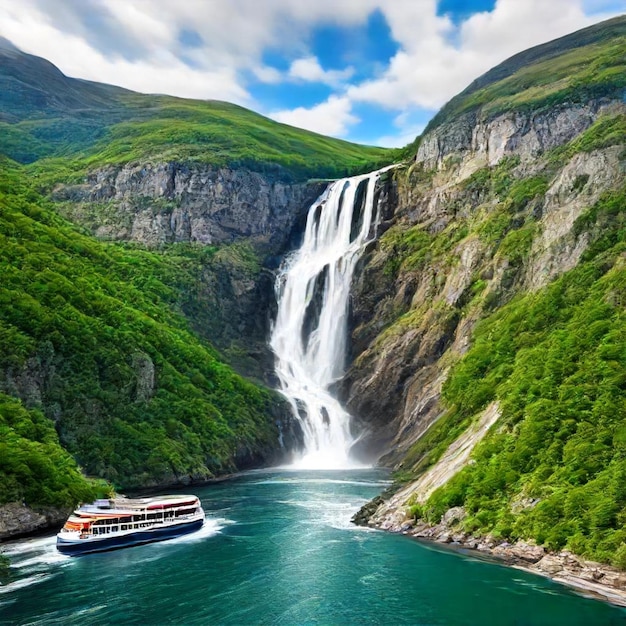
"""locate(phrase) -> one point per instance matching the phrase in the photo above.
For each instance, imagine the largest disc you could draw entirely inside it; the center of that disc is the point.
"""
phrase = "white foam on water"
(23, 546)
(23, 582)
(211, 527)
(322, 481)
(334, 514)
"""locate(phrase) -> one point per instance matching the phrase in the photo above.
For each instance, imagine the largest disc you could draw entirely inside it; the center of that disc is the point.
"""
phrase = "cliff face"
(487, 210)
(488, 320)
(163, 203)
(485, 142)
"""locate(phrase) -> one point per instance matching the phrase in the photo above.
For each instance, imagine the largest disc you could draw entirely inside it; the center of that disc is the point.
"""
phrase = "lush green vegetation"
(34, 468)
(585, 65)
(225, 134)
(82, 323)
(556, 362)
(99, 125)
(93, 335)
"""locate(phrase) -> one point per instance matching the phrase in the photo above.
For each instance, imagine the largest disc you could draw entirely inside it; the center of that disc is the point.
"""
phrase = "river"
(278, 548)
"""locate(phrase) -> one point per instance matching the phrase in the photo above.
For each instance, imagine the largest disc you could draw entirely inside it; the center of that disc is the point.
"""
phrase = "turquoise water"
(278, 548)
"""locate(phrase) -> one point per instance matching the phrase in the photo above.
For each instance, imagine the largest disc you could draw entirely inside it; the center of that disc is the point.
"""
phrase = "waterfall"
(310, 332)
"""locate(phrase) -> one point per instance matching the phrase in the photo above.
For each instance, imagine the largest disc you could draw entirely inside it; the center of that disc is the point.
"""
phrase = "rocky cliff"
(160, 203)
(487, 320)
(461, 244)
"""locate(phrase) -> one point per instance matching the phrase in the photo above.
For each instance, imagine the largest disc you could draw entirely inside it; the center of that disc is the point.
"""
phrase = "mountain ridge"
(595, 34)
(496, 289)
(51, 114)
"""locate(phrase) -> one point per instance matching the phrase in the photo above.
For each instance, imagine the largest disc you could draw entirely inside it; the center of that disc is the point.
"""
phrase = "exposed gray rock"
(558, 248)
(453, 516)
(16, 519)
(486, 141)
(409, 327)
(157, 203)
(144, 371)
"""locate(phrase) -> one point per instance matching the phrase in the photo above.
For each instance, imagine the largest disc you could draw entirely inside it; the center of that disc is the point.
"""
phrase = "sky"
(370, 71)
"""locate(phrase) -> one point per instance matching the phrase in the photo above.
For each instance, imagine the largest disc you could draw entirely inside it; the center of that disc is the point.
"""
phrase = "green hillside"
(80, 321)
(556, 361)
(588, 64)
(93, 335)
(46, 114)
(552, 469)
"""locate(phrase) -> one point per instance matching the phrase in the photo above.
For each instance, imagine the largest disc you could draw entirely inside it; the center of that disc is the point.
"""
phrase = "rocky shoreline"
(589, 578)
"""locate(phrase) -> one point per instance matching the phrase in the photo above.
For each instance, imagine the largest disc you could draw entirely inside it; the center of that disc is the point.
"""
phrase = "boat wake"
(211, 527)
(36, 560)
(32, 562)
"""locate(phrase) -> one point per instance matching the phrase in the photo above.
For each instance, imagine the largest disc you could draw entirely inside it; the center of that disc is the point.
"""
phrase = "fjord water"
(278, 548)
(310, 331)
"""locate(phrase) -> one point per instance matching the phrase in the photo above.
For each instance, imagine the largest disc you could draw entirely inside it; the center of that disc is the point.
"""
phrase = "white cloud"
(267, 74)
(332, 117)
(235, 34)
(436, 58)
(161, 72)
(309, 69)
(436, 61)
(403, 138)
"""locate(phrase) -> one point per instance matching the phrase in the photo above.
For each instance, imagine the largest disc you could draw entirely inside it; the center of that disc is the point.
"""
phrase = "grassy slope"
(556, 360)
(83, 312)
(584, 65)
(34, 468)
(46, 114)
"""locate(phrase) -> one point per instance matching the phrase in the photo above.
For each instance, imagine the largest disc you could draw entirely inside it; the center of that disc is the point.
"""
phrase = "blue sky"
(373, 71)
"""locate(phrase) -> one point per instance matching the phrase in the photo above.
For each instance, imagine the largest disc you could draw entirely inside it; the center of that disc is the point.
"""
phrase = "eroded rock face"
(577, 186)
(145, 377)
(16, 519)
(410, 325)
(173, 202)
(483, 142)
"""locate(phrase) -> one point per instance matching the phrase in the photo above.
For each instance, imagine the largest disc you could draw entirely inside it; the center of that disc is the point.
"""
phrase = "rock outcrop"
(413, 316)
(480, 142)
(158, 203)
(17, 519)
(590, 578)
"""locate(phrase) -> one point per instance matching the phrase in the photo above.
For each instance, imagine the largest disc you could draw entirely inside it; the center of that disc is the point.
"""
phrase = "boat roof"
(120, 506)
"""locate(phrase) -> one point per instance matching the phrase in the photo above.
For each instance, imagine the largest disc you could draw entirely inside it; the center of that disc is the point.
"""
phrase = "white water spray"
(309, 335)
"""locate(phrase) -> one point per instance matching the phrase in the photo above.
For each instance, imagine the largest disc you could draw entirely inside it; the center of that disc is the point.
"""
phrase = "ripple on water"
(289, 480)
(23, 582)
(337, 515)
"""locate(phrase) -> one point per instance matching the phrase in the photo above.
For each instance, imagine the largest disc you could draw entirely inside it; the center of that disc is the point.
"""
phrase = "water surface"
(278, 548)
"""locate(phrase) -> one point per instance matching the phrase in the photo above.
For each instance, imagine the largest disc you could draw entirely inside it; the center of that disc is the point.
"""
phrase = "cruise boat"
(121, 522)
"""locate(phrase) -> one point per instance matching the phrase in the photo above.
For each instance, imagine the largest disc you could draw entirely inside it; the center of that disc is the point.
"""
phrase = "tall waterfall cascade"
(309, 337)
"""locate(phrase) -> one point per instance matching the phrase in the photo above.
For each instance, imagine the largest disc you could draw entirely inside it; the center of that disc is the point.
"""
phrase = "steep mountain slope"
(575, 68)
(488, 321)
(158, 170)
(107, 348)
(91, 335)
